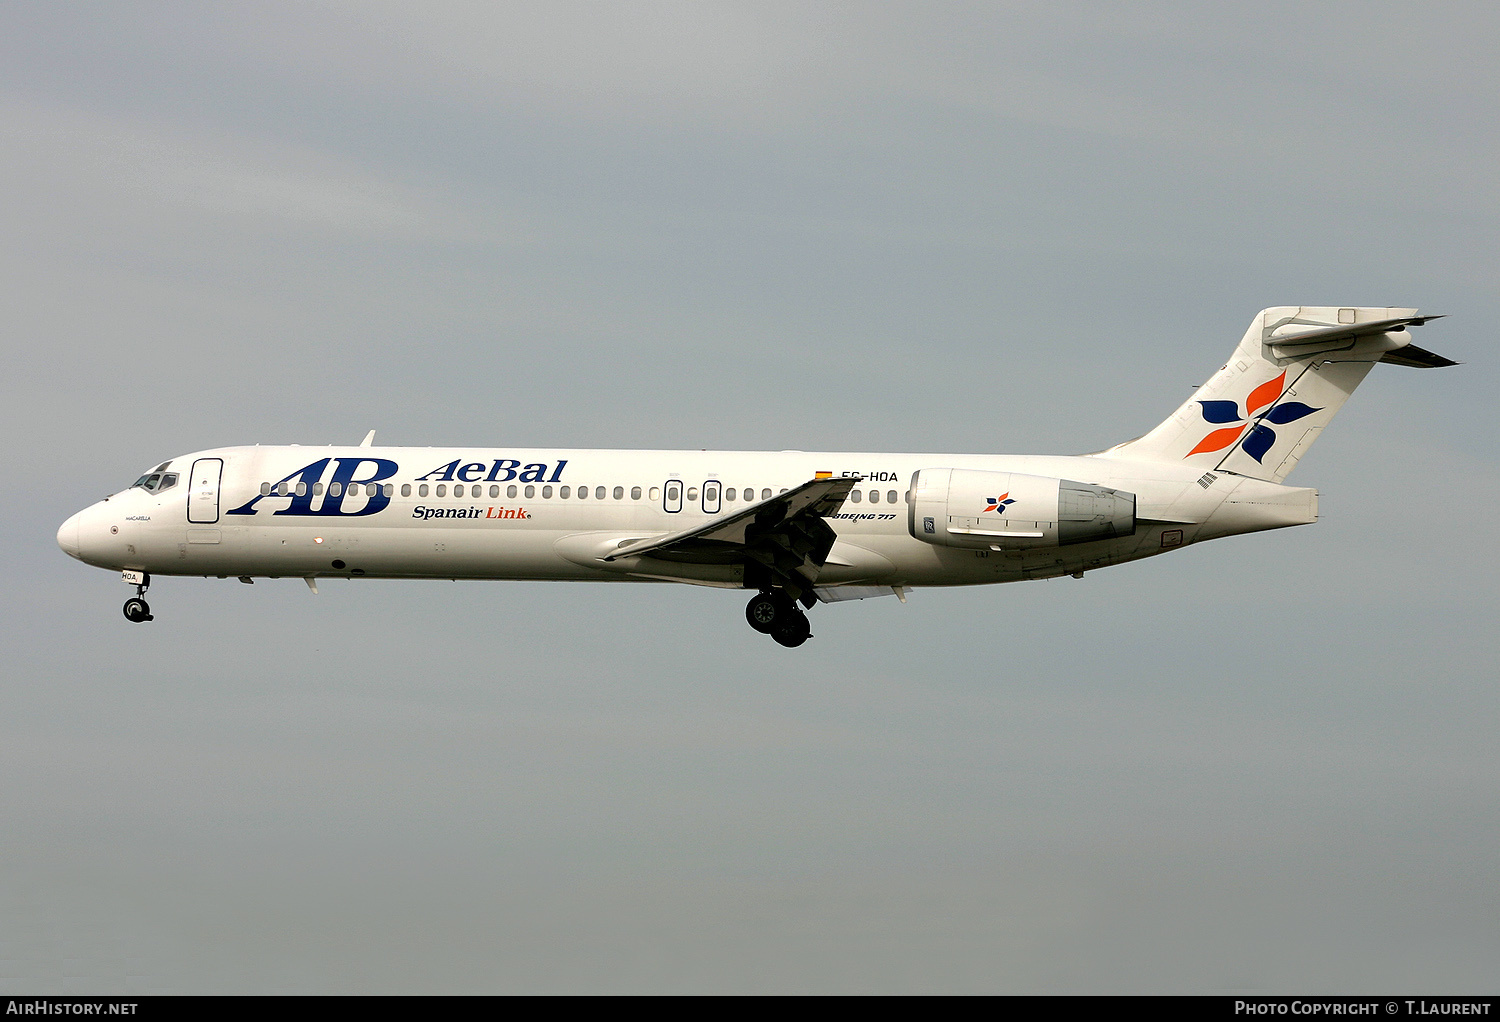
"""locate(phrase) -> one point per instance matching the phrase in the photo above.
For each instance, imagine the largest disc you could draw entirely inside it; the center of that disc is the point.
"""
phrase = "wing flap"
(782, 541)
(817, 497)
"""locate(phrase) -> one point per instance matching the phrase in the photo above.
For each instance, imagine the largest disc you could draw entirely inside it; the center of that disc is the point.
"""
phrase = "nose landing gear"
(778, 616)
(137, 609)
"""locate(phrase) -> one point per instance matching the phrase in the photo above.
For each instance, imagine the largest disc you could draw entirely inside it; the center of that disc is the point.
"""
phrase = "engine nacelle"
(962, 507)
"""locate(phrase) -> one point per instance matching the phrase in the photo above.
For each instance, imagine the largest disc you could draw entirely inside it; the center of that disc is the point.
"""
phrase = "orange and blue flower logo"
(1260, 437)
(997, 504)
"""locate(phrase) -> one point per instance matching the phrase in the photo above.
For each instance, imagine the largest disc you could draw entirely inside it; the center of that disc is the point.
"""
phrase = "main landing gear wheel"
(767, 611)
(137, 610)
(778, 616)
(794, 631)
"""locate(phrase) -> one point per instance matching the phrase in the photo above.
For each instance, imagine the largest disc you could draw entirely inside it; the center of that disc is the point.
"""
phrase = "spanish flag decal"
(822, 475)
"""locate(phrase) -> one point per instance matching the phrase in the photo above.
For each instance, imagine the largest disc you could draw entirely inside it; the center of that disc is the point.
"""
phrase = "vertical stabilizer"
(1290, 374)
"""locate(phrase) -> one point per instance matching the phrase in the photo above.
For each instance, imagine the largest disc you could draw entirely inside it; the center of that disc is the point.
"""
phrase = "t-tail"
(1292, 372)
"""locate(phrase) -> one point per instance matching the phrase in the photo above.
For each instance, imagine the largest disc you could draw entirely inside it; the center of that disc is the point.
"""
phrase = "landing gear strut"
(778, 616)
(136, 608)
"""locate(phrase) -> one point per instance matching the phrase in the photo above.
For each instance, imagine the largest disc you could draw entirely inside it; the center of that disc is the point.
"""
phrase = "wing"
(783, 541)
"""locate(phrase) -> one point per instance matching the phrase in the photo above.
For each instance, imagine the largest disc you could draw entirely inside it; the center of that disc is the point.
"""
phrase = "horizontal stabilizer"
(1299, 343)
(1416, 358)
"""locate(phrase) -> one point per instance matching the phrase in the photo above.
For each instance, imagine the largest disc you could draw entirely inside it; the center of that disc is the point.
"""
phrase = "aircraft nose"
(67, 536)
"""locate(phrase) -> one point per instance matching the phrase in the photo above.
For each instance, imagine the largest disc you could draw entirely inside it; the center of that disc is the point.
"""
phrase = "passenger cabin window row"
(891, 496)
(158, 481)
(285, 489)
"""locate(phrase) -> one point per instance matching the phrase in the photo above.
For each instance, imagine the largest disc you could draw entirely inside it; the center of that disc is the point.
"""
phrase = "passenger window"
(565, 492)
(672, 493)
(598, 493)
(265, 489)
(890, 496)
(494, 491)
(655, 494)
(692, 493)
(389, 489)
(546, 493)
(405, 489)
(583, 493)
(530, 492)
(422, 490)
(335, 489)
(635, 493)
(874, 496)
(442, 489)
(301, 489)
(783, 489)
(458, 490)
(766, 493)
(854, 496)
(282, 488)
(619, 493)
(510, 491)
(317, 489)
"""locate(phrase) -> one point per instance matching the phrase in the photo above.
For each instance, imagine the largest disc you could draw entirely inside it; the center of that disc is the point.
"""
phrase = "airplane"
(795, 528)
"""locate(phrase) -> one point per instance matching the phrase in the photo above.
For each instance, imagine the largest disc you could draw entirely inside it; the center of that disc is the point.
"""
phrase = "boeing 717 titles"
(793, 528)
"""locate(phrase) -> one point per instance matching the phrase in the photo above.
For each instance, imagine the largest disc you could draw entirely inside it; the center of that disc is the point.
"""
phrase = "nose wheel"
(137, 609)
(778, 616)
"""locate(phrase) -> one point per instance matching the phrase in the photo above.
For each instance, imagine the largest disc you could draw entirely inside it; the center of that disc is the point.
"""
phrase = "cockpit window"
(157, 481)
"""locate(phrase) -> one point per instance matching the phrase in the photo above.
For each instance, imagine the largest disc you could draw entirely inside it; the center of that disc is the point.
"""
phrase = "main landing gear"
(136, 608)
(778, 616)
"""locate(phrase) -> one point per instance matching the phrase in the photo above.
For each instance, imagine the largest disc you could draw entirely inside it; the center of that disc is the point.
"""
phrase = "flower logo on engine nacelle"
(997, 504)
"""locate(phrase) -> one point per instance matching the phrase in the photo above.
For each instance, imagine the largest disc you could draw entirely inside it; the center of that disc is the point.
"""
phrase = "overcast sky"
(1265, 764)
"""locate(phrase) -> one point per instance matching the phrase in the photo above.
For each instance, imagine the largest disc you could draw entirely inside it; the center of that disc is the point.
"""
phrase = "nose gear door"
(203, 491)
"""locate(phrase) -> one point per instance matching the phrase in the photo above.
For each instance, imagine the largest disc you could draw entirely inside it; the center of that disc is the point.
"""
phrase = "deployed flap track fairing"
(792, 527)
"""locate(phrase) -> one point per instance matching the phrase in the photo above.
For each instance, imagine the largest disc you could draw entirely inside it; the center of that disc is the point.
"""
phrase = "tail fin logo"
(1261, 438)
(998, 504)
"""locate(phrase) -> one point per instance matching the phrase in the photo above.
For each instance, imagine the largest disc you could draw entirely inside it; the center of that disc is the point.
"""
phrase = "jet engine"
(962, 507)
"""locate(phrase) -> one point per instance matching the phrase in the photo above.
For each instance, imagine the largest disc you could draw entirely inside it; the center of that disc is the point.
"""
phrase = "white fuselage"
(469, 513)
